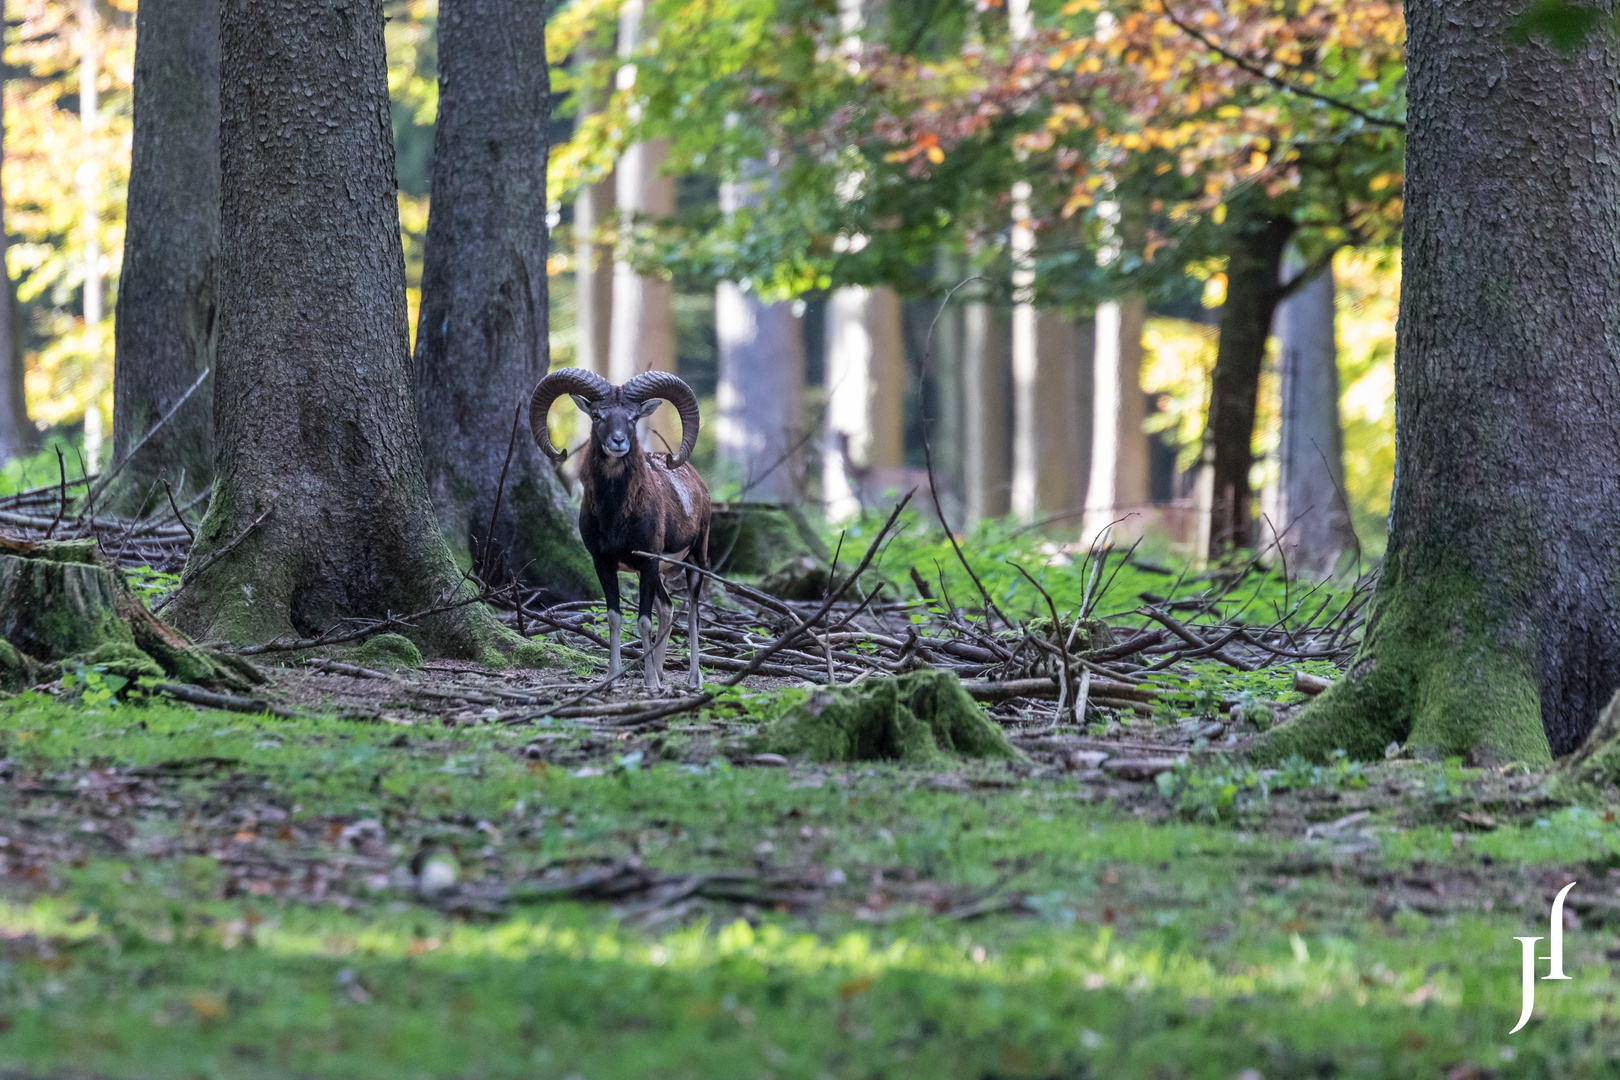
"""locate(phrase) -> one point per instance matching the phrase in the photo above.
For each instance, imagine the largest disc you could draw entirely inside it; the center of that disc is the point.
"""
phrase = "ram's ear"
(648, 407)
(584, 406)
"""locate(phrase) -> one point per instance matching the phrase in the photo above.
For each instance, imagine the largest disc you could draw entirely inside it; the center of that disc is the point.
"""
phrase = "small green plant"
(95, 685)
(1223, 793)
(149, 584)
(1297, 774)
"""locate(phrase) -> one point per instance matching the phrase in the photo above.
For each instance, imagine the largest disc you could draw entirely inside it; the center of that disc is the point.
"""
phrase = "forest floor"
(398, 883)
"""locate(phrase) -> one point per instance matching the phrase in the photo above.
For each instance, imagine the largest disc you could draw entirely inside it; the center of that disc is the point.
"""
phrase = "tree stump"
(60, 602)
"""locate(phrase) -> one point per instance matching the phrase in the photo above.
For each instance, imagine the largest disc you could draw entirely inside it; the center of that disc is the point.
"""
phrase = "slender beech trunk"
(483, 339)
(593, 260)
(1254, 258)
(314, 414)
(18, 435)
(1119, 447)
(1495, 628)
(1061, 421)
(642, 329)
(986, 376)
(1311, 512)
(761, 374)
(865, 376)
(166, 299)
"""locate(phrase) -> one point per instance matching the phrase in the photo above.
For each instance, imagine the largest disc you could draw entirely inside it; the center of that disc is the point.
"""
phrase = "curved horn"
(662, 384)
(587, 384)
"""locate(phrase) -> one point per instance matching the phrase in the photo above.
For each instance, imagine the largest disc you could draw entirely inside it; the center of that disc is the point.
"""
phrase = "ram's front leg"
(651, 661)
(607, 572)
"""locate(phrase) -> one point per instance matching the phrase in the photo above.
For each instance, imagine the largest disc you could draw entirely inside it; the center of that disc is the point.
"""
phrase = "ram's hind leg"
(666, 623)
(694, 595)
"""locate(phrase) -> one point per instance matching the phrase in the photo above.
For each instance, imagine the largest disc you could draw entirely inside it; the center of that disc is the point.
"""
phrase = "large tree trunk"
(165, 329)
(1254, 258)
(18, 435)
(483, 339)
(1119, 447)
(1496, 625)
(1311, 511)
(314, 414)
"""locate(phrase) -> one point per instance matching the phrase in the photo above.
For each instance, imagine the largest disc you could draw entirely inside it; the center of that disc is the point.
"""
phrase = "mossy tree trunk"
(1495, 629)
(166, 300)
(314, 412)
(482, 341)
(1254, 258)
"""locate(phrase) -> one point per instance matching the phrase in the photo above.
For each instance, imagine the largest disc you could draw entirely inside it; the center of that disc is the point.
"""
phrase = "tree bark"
(1311, 511)
(483, 338)
(1254, 259)
(18, 435)
(164, 337)
(314, 412)
(1495, 630)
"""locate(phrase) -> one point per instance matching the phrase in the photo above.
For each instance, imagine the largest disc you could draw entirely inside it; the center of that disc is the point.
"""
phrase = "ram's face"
(613, 424)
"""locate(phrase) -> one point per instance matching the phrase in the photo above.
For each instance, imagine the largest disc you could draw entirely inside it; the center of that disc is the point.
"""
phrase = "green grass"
(996, 547)
(1157, 945)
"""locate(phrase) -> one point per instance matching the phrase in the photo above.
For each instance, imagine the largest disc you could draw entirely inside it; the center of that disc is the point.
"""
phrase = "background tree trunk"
(593, 261)
(314, 415)
(18, 435)
(642, 337)
(1496, 624)
(1119, 448)
(1311, 512)
(1062, 388)
(761, 375)
(986, 375)
(165, 328)
(88, 181)
(483, 339)
(1254, 259)
(865, 379)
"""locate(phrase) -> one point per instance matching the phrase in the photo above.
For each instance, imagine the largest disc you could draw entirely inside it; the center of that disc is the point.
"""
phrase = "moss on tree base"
(1438, 672)
(59, 602)
(919, 717)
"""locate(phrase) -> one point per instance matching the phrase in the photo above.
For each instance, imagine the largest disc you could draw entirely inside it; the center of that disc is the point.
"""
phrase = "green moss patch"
(1441, 671)
(389, 650)
(919, 717)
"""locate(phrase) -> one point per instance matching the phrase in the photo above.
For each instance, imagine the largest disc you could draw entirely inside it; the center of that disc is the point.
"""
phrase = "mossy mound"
(59, 603)
(388, 650)
(762, 539)
(919, 717)
(537, 654)
(17, 670)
